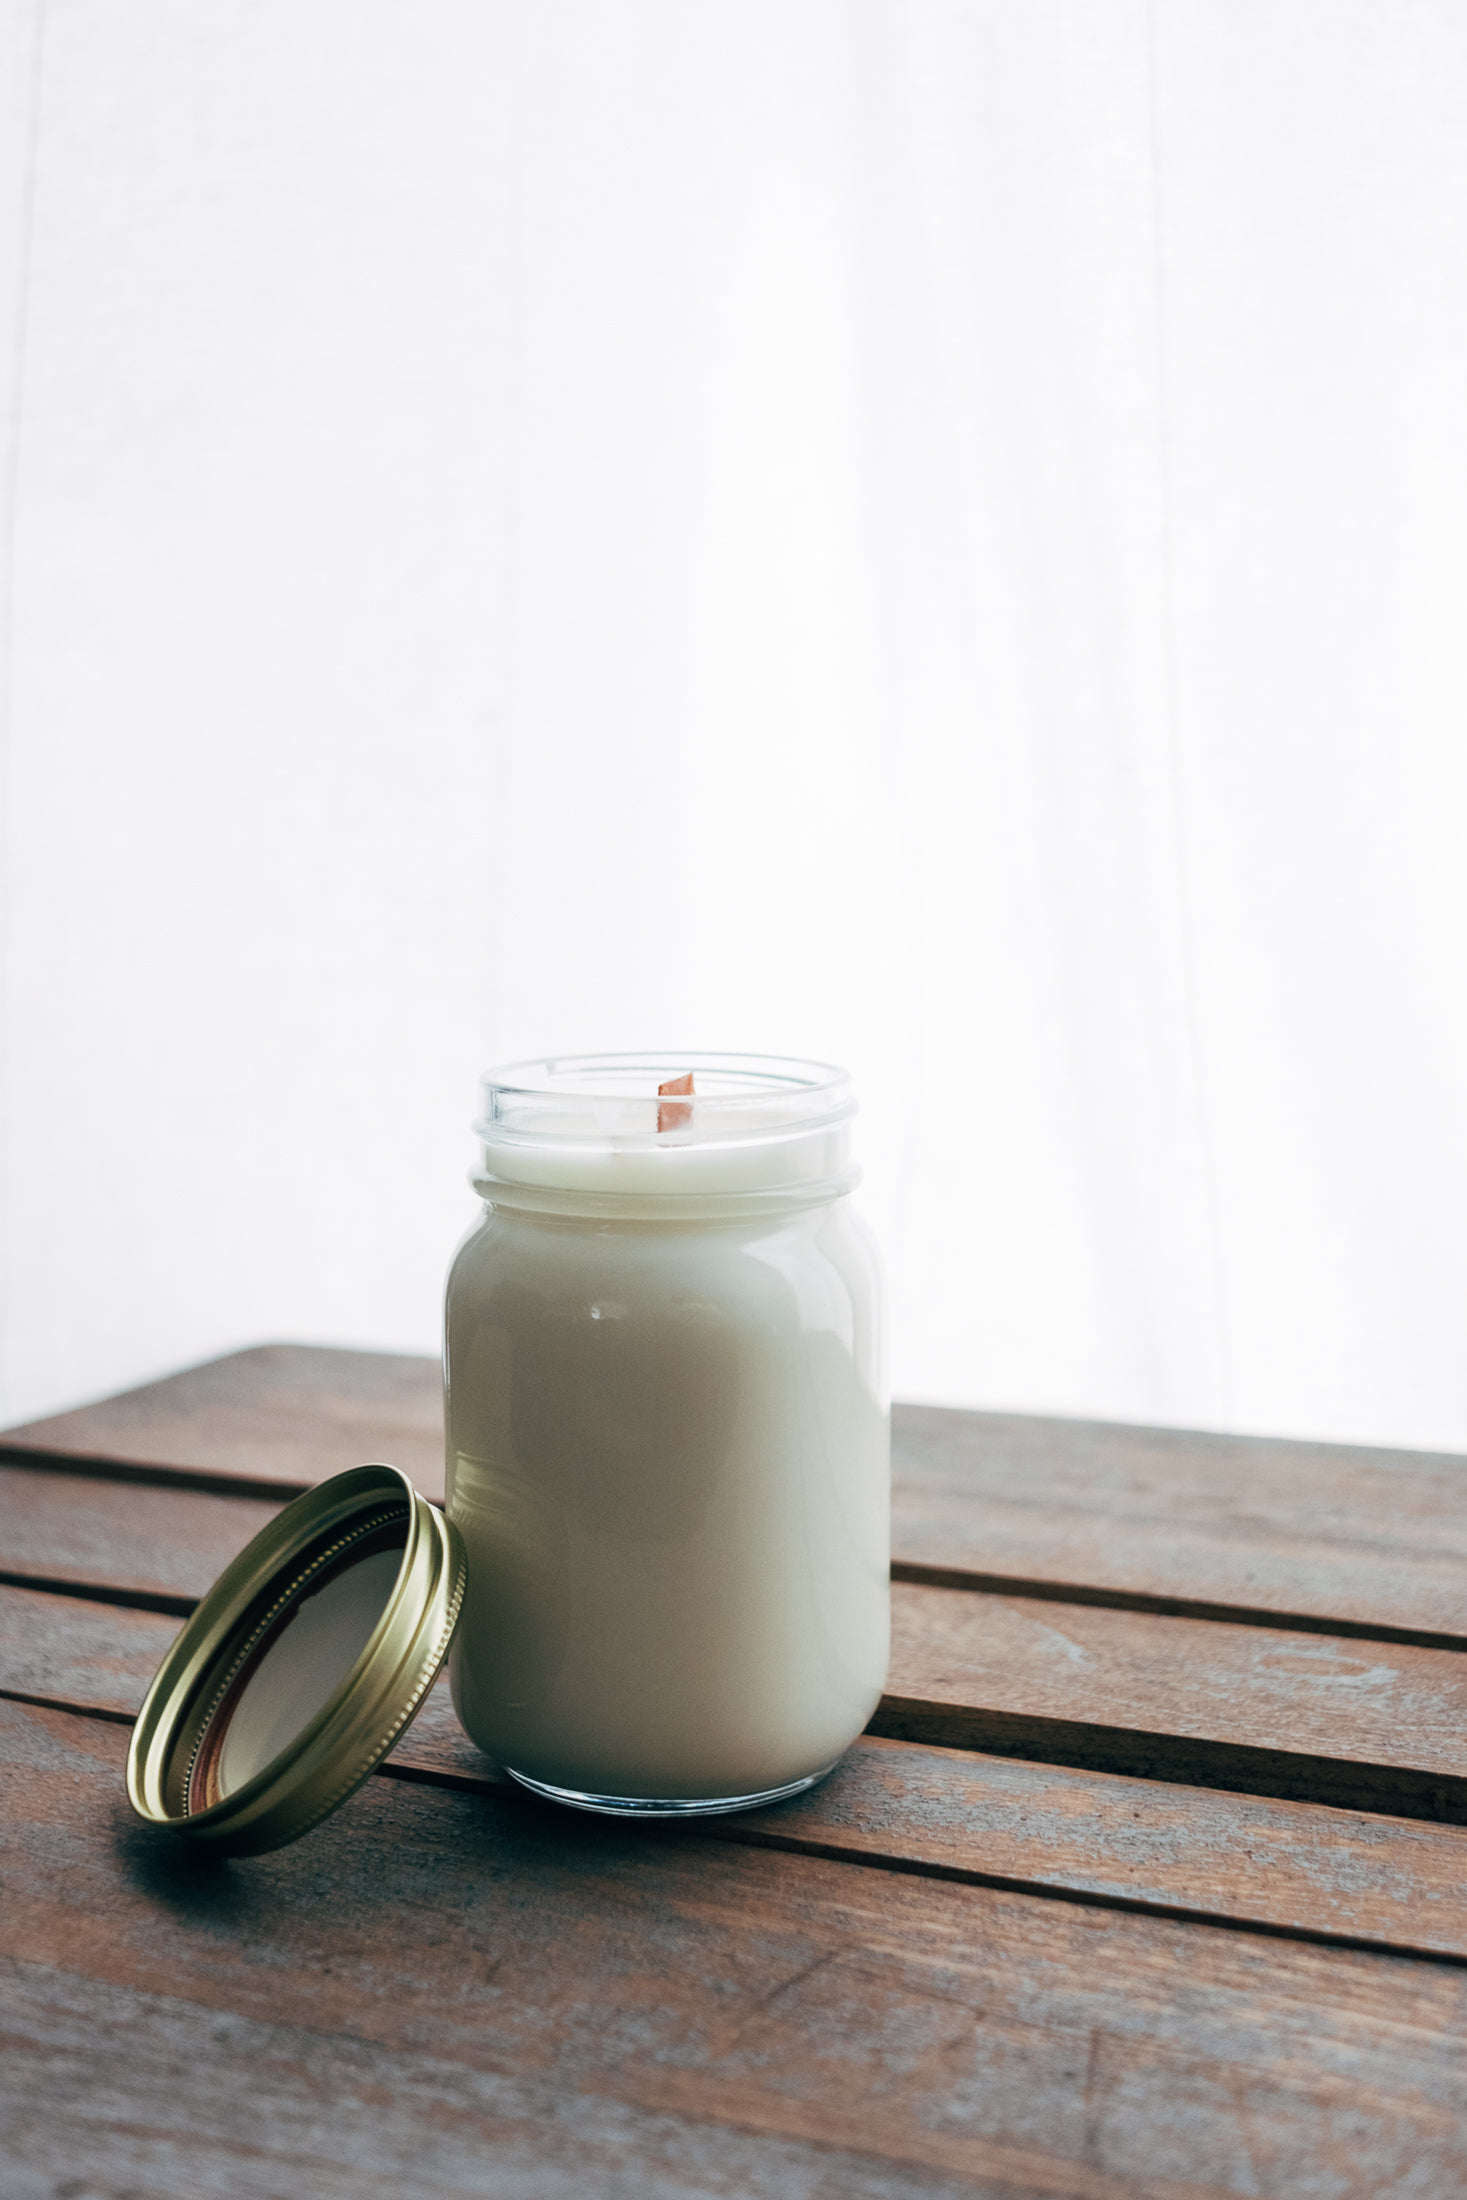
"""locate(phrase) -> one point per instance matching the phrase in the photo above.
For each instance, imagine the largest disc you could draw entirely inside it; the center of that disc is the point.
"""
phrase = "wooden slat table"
(1150, 1877)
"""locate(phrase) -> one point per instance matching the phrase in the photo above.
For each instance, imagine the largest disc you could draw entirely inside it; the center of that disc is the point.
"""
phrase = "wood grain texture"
(458, 1982)
(933, 1974)
(281, 1417)
(148, 2097)
(1330, 1532)
(134, 1540)
(1359, 1725)
(993, 1672)
(1299, 1869)
(1365, 1725)
(1317, 1534)
(1287, 1866)
(71, 1651)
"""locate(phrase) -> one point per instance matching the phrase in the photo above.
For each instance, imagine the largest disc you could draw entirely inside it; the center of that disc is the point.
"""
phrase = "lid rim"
(364, 1714)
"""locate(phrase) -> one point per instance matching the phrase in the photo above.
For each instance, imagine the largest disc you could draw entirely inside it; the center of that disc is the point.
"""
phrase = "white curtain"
(931, 533)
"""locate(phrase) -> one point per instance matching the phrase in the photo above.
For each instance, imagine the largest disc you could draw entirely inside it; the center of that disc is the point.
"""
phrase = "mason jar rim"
(593, 1099)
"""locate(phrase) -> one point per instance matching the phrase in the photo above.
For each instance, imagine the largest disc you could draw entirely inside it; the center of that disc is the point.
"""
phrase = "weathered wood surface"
(1358, 1724)
(439, 1992)
(132, 1540)
(281, 1416)
(1310, 1532)
(73, 1652)
(1301, 1869)
(1293, 1867)
(1366, 1725)
(1001, 1951)
(1331, 1532)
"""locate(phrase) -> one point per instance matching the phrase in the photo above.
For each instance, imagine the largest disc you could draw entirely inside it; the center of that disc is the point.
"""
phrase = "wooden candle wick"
(672, 1115)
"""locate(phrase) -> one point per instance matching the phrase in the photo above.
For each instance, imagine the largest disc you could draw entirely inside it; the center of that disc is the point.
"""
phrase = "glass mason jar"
(667, 1428)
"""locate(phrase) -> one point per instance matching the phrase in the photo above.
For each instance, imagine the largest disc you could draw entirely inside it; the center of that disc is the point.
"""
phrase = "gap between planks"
(101, 1592)
(208, 1481)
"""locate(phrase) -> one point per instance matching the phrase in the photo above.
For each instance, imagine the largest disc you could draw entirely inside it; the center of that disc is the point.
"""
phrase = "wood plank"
(71, 1651)
(512, 1986)
(1340, 1534)
(135, 1541)
(1313, 1534)
(1292, 1867)
(105, 2091)
(279, 1417)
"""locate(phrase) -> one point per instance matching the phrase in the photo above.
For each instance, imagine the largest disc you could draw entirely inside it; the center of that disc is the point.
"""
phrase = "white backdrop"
(929, 534)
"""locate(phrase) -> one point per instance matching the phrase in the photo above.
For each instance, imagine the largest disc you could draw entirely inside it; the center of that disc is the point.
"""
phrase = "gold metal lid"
(301, 1667)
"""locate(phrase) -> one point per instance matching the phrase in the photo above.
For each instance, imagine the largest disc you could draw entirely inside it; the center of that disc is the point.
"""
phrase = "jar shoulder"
(816, 1271)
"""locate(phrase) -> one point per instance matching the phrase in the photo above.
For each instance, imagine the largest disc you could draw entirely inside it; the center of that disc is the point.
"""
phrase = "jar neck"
(671, 1210)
